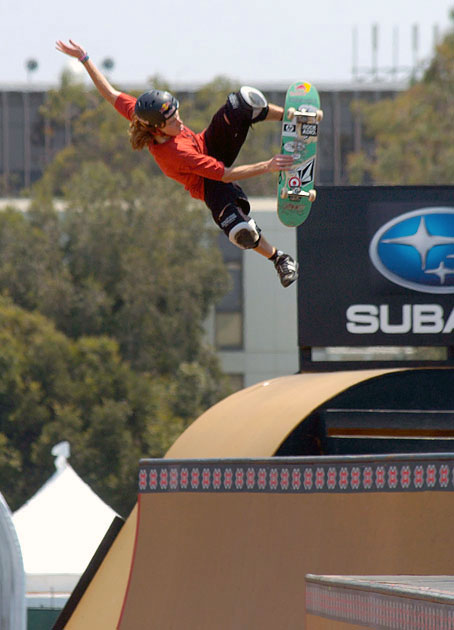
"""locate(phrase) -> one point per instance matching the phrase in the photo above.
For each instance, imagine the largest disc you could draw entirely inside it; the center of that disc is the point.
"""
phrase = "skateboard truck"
(305, 115)
(295, 194)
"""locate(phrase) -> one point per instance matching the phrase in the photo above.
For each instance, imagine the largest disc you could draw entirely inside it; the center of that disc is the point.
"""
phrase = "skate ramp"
(227, 544)
(100, 605)
(252, 423)
(256, 420)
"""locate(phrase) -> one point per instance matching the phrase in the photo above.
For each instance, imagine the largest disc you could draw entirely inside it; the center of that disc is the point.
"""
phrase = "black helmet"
(156, 106)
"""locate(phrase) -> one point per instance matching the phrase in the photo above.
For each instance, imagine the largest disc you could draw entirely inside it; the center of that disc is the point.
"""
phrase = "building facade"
(28, 143)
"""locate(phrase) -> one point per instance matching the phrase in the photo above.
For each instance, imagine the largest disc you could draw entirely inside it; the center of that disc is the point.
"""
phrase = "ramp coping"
(334, 474)
(386, 602)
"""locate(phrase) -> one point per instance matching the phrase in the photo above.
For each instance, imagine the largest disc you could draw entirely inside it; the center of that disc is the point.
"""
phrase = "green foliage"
(68, 101)
(147, 255)
(127, 269)
(413, 133)
(52, 389)
(134, 259)
(99, 134)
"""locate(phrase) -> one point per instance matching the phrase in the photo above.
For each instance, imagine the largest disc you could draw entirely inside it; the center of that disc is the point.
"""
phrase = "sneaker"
(286, 267)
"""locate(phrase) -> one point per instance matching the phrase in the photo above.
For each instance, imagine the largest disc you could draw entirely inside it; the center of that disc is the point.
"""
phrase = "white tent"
(59, 530)
(12, 583)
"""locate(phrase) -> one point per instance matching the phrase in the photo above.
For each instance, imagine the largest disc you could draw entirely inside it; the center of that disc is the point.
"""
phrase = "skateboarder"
(202, 162)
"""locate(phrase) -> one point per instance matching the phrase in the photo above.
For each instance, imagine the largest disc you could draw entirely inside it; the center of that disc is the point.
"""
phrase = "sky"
(194, 41)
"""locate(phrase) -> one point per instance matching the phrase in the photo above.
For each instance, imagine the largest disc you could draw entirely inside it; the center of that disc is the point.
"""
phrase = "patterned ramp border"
(340, 474)
(382, 604)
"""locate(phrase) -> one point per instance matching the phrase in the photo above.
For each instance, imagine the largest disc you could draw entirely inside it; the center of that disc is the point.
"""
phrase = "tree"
(143, 265)
(129, 259)
(127, 270)
(61, 109)
(137, 252)
(413, 133)
(53, 388)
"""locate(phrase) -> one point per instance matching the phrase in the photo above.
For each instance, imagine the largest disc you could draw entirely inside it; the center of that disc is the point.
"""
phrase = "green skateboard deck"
(296, 191)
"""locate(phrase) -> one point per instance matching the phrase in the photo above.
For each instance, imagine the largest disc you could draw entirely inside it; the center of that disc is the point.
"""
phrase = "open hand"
(72, 49)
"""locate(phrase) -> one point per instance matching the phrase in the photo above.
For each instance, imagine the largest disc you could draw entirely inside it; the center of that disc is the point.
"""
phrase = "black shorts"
(224, 141)
(218, 195)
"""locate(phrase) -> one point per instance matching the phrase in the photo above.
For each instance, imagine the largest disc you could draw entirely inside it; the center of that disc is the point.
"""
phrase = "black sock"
(274, 256)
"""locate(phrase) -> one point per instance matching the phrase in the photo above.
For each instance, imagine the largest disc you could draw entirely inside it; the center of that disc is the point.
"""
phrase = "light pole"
(31, 66)
(108, 64)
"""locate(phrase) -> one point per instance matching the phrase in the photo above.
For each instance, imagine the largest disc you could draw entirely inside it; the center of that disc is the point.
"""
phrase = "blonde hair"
(140, 135)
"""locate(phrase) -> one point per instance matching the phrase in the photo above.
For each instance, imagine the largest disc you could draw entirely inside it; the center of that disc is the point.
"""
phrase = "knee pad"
(249, 105)
(245, 235)
(241, 231)
(255, 100)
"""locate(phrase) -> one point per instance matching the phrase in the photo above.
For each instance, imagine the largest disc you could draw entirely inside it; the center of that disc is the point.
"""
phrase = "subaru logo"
(416, 250)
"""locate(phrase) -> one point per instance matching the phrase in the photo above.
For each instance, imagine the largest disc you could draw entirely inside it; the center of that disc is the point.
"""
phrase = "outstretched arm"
(103, 86)
(279, 162)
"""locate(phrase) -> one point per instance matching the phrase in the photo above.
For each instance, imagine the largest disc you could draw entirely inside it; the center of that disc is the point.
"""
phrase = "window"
(236, 382)
(229, 331)
(229, 311)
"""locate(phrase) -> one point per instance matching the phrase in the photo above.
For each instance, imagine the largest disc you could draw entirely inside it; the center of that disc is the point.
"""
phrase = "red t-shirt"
(183, 157)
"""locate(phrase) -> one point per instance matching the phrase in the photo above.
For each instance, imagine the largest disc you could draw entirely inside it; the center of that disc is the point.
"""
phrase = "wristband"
(84, 58)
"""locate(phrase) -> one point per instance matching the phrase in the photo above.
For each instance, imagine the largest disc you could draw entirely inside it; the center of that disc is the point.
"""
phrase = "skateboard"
(302, 115)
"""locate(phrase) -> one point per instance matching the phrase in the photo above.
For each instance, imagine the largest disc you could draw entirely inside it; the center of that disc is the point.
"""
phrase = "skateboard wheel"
(319, 115)
(284, 193)
(290, 113)
(312, 195)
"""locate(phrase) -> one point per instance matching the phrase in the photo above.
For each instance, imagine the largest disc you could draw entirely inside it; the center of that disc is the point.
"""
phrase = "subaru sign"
(377, 267)
(416, 250)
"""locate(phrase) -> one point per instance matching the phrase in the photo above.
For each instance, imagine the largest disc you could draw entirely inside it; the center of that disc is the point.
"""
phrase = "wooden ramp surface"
(255, 421)
(209, 546)
(227, 544)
